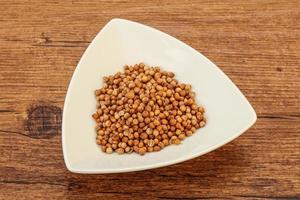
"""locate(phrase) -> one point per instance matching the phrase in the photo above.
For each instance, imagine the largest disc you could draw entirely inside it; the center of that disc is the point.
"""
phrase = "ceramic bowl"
(121, 42)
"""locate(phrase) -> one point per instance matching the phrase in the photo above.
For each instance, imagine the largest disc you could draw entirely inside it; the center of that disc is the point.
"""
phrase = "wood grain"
(256, 43)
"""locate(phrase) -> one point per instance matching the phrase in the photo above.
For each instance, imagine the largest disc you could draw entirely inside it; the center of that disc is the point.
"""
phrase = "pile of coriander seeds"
(145, 109)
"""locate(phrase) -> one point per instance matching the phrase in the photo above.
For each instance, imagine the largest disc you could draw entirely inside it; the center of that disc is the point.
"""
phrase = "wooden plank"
(256, 43)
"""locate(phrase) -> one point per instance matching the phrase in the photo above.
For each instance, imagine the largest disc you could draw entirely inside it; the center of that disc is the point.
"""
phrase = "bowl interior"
(123, 42)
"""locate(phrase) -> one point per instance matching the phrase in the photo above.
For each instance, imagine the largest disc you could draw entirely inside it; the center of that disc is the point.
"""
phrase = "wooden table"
(256, 43)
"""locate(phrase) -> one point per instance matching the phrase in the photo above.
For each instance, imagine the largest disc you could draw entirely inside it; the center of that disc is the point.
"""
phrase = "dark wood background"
(256, 43)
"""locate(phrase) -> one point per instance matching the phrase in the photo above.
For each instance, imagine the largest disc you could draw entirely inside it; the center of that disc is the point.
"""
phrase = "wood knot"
(43, 121)
(279, 69)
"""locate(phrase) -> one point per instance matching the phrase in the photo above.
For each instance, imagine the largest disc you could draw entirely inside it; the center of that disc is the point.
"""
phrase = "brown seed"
(193, 129)
(143, 135)
(141, 144)
(164, 136)
(95, 115)
(178, 89)
(114, 146)
(136, 149)
(140, 119)
(176, 141)
(135, 121)
(103, 148)
(173, 128)
(131, 85)
(156, 122)
(194, 121)
(145, 99)
(126, 115)
(149, 149)
(162, 115)
(189, 133)
(178, 132)
(150, 143)
(148, 109)
(135, 142)
(128, 149)
(169, 93)
(136, 90)
(100, 132)
(142, 150)
(183, 108)
(199, 115)
(155, 132)
(147, 120)
(151, 125)
(145, 113)
(182, 93)
(201, 109)
(156, 148)
(149, 131)
(159, 88)
(107, 123)
(107, 145)
(123, 145)
(136, 135)
(159, 128)
(141, 124)
(120, 150)
(170, 134)
(165, 127)
(188, 110)
(157, 112)
(173, 121)
(202, 123)
(181, 136)
(164, 121)
(145, 79)
(130, 95)
(166, 142)
(161, 145)
(130, 142)
(178, 119)
(109, 150)
(157, 75)
(145, 141)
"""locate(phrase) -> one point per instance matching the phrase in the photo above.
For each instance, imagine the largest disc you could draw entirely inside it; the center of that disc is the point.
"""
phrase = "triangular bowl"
(121, 42)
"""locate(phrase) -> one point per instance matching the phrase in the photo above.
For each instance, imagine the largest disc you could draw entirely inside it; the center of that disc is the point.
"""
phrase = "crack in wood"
(270, 197)
(19, 133)
(22, 182)
(190, 198)
(289, 116)
(6, 111)
(57, 45)
(235, 196)
(71, 41)
(48, 42)
(14, 40)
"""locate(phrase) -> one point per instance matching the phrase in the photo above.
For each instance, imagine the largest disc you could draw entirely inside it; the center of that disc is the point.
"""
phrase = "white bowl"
(121, 42)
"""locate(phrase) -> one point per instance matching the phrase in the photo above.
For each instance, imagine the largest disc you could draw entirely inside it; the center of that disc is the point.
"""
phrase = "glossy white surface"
(122, 42)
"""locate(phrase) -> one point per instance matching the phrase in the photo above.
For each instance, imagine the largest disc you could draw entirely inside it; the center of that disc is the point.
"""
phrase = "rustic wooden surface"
(256, 43)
